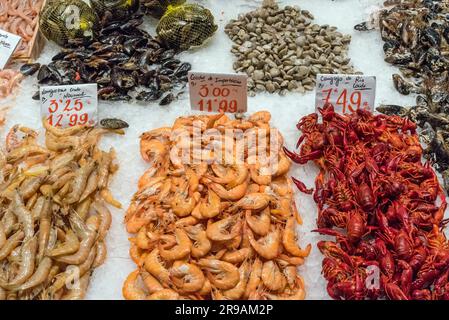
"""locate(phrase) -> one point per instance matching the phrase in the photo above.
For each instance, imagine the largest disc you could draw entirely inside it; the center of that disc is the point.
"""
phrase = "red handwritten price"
(69, 105)
(219, 97)
(346, 93)
(214, 92)
(348, 102)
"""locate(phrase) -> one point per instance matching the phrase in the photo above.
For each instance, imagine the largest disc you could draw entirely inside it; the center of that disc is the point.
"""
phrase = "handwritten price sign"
(8, 43)
(216, 92)
(346, 93)
(68, 106)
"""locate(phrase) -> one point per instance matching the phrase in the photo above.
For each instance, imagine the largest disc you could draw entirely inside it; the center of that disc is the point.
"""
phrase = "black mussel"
(119, 57)
(77, 55)
(145, 78)
(36, 96)
(171, 63)
(48, 74)
(134, 43)
(404, 87)
(390, 46)
(104, 80)
(399, 58)
(122, 80)
(363, 26)
(166, 72)
(131, 24)
(168, 54)
(183, 69)
(113, 123)
(151, 95)
(129, 66)
(430, 37)
(392, 109)
(111, 28)
(60, 55)
(167, 99)
(29, 69)
(88, 75)
(104, 48)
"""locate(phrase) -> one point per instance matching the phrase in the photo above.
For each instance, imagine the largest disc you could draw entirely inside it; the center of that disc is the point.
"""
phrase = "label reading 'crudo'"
(71, 105)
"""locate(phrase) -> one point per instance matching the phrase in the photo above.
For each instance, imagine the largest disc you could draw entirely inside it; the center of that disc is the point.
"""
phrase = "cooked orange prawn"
(225, 229)
(154, 265)
(131, 290)
(180, 250)
(238, 291)
(186, 276)
(222, 275)
(232, 194)
(202, 244)
(272, 276)
(289, 240)
(259, 224)
(267, 246)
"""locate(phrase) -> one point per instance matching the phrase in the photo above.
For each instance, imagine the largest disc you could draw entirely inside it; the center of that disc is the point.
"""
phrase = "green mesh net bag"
(118, 9)
(186, 26)
(157, 8)
(64, 20)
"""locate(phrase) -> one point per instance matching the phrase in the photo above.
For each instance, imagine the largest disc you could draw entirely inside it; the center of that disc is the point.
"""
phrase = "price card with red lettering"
(71, 105)
(218, 92)
(346, 93)
(8, 44)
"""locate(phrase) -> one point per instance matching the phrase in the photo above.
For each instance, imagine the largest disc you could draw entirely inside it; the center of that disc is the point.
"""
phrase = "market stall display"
(215, 213)
(54, 221)
(209, 229)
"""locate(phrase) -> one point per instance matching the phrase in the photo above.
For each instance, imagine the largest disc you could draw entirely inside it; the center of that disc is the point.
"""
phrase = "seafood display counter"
(354, 207)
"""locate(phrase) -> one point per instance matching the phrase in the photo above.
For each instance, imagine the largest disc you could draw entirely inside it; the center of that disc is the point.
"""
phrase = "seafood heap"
(122, 60)
(281, 50)
(9, 81)
(53, 219)
(207, 230)
(20, 17)
(416, 36)
(384, 207)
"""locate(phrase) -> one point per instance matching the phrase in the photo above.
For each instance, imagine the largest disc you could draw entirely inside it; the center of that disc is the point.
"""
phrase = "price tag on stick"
(217, 92)
(8, 44)
(71, 105)
(346, 93)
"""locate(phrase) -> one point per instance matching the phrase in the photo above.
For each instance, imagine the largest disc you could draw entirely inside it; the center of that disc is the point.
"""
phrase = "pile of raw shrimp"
(53, 219)
(207, 229)
(9, 81)
(18, 17)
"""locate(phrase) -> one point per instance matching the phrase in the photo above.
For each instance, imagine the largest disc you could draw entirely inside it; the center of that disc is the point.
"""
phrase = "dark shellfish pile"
(416, 39)
(125, 61)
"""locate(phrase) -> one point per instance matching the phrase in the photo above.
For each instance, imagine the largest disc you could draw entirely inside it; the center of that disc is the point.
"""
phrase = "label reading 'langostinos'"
(71, 105)
(346, 93)
(8, 43)
(217, 92)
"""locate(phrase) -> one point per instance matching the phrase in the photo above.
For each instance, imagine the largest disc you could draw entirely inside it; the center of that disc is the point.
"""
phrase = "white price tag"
(8, 44)
(346, 93)
(217, 92)
(68, 106)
